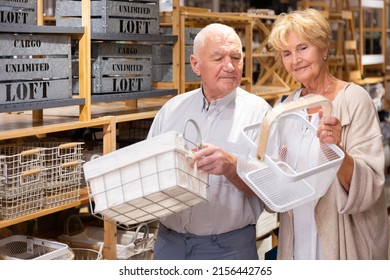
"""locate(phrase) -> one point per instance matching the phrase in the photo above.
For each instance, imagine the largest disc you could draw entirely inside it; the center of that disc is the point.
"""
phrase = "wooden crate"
(110, 16)
(34, 68)
(164, 73)
(162, 54)
(189, 33)
(162, 68)
(18, 12)
(119, 67)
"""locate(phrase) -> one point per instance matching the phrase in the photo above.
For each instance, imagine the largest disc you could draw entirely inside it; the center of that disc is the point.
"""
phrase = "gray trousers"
(238, 244)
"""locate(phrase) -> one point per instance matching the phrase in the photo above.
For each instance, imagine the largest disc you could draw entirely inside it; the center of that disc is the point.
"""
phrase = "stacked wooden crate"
(117, 66)
(32, 67)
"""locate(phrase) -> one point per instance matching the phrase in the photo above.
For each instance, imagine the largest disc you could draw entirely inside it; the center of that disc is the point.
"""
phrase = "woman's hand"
(329, 131)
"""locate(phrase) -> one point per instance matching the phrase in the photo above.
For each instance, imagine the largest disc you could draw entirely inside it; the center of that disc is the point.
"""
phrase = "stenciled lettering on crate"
(120, 67)
(18, 12)
(162, 69)
(34, 68)
(122, 17)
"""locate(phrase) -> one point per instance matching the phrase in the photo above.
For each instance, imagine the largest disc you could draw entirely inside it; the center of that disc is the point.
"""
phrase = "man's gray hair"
(212, 29)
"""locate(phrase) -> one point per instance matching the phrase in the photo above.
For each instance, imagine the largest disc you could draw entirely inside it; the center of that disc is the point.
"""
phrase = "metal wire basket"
(61, 171)
(21, 184)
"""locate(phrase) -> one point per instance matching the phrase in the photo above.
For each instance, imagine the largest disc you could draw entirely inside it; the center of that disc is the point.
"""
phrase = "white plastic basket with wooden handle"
(289, 166)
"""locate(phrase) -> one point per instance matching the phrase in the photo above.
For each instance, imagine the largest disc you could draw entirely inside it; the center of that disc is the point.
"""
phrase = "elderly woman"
(350, 221)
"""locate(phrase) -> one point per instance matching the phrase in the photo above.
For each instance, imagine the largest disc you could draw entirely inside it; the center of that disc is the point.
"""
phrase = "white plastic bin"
(145, 181)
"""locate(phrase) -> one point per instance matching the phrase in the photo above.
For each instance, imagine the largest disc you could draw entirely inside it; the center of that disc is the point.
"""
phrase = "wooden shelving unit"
(183, 17)
(83, 110)
(272, 80)
(360, 30)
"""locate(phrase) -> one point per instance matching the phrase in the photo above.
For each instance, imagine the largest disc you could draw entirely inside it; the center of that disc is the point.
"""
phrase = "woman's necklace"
(326, 89)
(331, 82)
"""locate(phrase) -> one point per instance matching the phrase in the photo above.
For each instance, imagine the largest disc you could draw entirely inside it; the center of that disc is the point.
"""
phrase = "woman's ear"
(195, 65)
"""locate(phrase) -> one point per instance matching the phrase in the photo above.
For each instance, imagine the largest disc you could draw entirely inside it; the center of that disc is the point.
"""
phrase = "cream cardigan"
(351, 225)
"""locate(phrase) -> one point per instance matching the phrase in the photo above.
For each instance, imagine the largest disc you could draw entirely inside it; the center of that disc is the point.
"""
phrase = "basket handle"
(31, 152)
(79, 225)
(145, 229)
(199, 140)
(69, 145)
(310, 101)
(72, 146)
(69, 164)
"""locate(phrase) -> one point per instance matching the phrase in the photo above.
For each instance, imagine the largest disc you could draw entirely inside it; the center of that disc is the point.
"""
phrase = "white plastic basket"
(145, 181)
(290, 166)
(130, 244)
(21, 247)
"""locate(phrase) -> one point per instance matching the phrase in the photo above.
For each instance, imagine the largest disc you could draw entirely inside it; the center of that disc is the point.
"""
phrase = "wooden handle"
(68, 145)
(69, 164)
(30, 152)
(30, 172)
(310, 101)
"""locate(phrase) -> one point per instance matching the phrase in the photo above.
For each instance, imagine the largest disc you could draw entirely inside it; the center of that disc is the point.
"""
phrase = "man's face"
(220, 64)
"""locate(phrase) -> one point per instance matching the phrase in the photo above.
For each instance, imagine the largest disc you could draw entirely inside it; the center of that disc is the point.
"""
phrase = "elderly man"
(223, 228)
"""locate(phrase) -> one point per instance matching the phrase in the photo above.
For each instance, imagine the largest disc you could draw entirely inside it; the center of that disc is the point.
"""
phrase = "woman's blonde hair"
(309, 24)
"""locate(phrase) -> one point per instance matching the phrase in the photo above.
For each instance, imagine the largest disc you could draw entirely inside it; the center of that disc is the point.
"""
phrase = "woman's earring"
(325, 58)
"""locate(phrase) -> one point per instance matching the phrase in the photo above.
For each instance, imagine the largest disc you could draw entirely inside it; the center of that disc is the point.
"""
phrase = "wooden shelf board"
(110, 97)
(370, 80)
(218, 17)
(41, 29)
(44, 104)
(134, 37)
(16, 125)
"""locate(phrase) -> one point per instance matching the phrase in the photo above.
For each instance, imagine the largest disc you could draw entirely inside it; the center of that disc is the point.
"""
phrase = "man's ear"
(195, 65)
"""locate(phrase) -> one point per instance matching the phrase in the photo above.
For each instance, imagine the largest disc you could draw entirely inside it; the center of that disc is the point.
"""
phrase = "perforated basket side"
(295, 152)
(28, 248)
(296, 167)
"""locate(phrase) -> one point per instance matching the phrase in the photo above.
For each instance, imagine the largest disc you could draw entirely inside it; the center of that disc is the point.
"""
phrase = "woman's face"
(303, 60)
